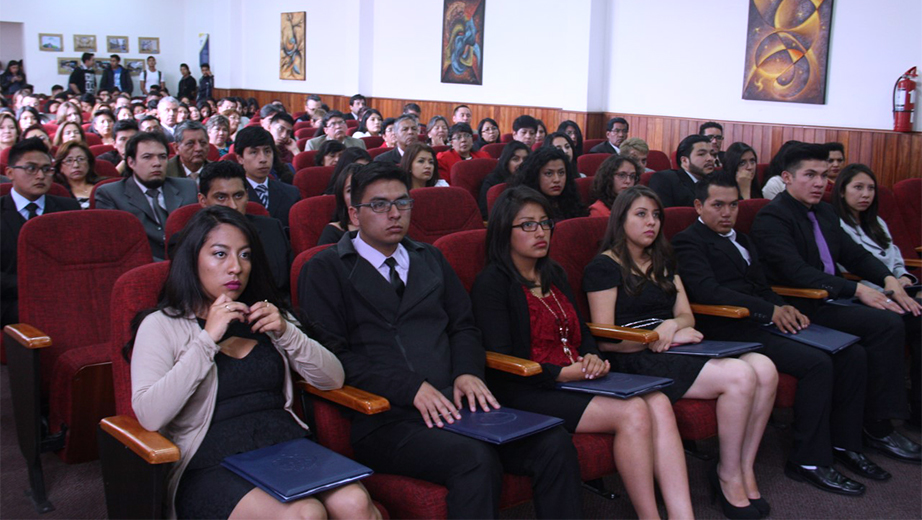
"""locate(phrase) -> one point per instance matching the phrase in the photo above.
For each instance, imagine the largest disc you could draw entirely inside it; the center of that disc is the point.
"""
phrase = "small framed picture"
(67, 65)
(134, 66)
(149, 45)
(84, 43)
(116, 44)
(101, 66)
(50, 42)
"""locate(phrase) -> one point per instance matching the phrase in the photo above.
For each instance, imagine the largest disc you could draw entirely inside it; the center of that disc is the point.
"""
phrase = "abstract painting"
(291, 55)
(462, 42)
(786, 50)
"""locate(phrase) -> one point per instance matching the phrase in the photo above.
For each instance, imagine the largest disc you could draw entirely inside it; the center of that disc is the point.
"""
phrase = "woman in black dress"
(633, 283)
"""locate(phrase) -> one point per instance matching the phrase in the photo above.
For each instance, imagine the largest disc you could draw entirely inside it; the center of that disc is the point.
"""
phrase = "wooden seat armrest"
(27, 335)
(912, 262)
(812, 294)
(350, 397)
(622, 333)
(150, 446)
(723, 311)
(852, 277)
(513, 365)
(919, 249)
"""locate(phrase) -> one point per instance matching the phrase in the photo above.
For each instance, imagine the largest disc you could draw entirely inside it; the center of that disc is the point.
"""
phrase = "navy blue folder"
(617, 384)
(818, 336)
(715, 349)
(500, 426)
(295, 469)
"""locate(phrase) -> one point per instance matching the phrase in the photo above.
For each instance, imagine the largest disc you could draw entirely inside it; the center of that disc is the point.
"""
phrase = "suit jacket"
(604, 147)
(393, 156)
(281, 198)
(674, 187)
(11, 221)
(784, 236)
(127, 196)
(349, 142)
(715, 273)
(348, 116)
(393, 345)
(278, 250)
(125, 83)
(174, 167)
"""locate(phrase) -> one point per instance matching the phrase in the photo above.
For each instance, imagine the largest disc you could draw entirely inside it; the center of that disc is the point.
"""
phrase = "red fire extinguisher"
(904, 101)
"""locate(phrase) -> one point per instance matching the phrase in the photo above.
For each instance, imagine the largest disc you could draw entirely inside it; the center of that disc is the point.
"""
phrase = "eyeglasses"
(384, 206)
(70, 161)
(338, 122)
(716, 137)
(32, 169)
(532, 225)
(625, 176)
(461, 137)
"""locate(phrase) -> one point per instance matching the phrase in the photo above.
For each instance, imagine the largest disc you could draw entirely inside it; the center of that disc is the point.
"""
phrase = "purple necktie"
(829, 266)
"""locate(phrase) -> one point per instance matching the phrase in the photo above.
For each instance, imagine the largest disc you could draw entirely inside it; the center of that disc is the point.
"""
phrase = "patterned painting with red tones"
(462, 42)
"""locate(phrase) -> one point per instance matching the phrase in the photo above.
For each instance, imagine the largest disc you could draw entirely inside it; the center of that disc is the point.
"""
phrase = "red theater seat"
(657, 160)
(307, 219)
(468, 175)
(589, 163)
(312, 181)
(441, 211)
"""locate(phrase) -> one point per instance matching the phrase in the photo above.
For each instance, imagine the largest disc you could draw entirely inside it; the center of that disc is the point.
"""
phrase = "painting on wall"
(786, 50)
(203, 49)
(462, 42)
(149, 45)
(116, 44)
(84, 43)
(291, 55)
(67, 65)
(50, 42)
(134, 66)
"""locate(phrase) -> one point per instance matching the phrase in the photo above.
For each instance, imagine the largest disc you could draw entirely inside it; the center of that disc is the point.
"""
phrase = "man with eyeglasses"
(461, 137)
(715, 133)
(334, 127)
(31, 174)
(406, 128)
(616, 132)
(409, 335)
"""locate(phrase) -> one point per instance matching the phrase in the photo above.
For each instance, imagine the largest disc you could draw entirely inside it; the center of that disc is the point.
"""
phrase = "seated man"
(413, 109)
(280, 125)
(312, 103)
(677, 187)
(715, 133)
(525, 130)
(191, 151)
(462, 114)
(266, 113)
(409, 336)
(356, 104)
(461, 137)
(123, 131)
(616, 132)
(406, 132)
(167, 109)
(637, 149)
(147, 192)
(334, 127)
(150, 124)
(720, 266)
(255, 151)
(31, 172)
(802, 242)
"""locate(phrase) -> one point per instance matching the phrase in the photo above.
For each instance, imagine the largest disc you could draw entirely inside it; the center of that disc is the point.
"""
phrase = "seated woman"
(740, 159)
(524, 306)
(74, 168)
(773, 182)
(461, 137)
(541, 133)
(632, 283)
(123, 113)
(37, 131)
(340, 222)
(351, 155)
(329, 152)
(204, 108)
(67, 132)
(211, 370)
(69, 111)
(437, 130)
(9, 131)
(855, 201)
(28, 116)
(387, 131)
(576, 135)
(370, 125)
(218, 128)
(487, 133)
(562, 142)
(103, 121)
(514, 154)
(233, 121)
(551, 172)
(194, 113)
(182, 113)
(419, 163)
(616, 174)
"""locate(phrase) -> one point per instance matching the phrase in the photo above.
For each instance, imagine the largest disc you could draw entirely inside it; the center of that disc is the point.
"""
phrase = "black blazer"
(674, 187)
(501, 312)
(393, 345)
(281, 198)
(715, 273)
(392, 156)
(278, 250)
(108, 81)
(784, 236)
(11, 221)
(603, 147)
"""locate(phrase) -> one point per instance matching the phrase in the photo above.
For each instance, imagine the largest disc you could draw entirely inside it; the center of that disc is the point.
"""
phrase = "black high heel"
(762, 505)
(731, 511)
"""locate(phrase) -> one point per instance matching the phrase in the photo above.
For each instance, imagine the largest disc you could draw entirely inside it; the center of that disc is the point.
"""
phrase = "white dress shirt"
(376, 259)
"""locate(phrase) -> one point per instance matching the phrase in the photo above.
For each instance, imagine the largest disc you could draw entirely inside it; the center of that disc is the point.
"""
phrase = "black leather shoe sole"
(793, 474)
(876, 472)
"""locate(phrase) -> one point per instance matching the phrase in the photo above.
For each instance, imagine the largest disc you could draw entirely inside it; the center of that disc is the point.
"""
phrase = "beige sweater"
(174, 380)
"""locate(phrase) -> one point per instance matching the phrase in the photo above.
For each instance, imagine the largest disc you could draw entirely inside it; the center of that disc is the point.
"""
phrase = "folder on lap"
(617, 384)
(715, 349)
(295, 469)
(500, 426)
(818, 336)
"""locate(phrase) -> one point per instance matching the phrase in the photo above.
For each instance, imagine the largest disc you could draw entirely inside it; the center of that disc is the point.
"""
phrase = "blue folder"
(295, 469)
(617, 384)
(500, 426)
(818, 336)
(715, 349)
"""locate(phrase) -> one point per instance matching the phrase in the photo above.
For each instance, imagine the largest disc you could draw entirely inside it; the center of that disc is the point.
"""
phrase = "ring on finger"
(889, 300)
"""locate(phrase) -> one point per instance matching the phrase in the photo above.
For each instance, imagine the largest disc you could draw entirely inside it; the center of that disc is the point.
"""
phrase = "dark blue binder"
(295, 469)
(715, 349)
(818, 336)
(500, 426)
(617, 384)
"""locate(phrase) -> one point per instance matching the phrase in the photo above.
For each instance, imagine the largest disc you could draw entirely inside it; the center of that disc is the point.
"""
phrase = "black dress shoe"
(895, 446)
(860, 464)
(762, 505)
(825, 478)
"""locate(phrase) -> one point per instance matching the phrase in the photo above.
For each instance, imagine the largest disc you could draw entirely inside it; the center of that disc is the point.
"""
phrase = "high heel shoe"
(762, 505)
(729, 510)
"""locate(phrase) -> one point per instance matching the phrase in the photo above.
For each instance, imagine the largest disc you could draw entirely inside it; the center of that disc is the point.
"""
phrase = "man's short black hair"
(227, 98)
(459, 107)
(719, 178)
(203, 65)
(313, 97)
(124, 125)
(357, 97)
(330, 115)
(835, 147)
(710, 124)
(88, 98)
(146, 119)
(152, 104)
(282, 116)
(616, 120)
(131, 149)
(86, 56)
(267, 111)
(32, 144)
(250, 136)
(220, 170)
(117, 57)
(525, 121)
(373, 172)
(181, 65)
(686, 146)
(412, 107)
(803, 152)
(462, 128)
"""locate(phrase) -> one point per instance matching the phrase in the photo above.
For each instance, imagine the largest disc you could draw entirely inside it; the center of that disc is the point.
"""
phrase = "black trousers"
(473, 470)
(828, 405)
(914, 341)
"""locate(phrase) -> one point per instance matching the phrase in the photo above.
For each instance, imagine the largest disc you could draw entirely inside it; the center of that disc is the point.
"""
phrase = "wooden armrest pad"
(919, 249)
(723, 311)
(912, 262)
(852, 277)
(150, 446)
(512, 364)
(813, 294)
(27, 335)
(622, 333)
(350, 397)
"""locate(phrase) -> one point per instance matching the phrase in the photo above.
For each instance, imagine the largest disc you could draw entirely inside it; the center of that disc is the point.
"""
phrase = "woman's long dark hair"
(341, 213)
(732, 159)
(867, 219)
(662, 260)
(480, 143)
(562, 127)
(502, 166)
(603, 184)
(567, 204)
(349, 156)
(363, 125)
(499, 236)
(549, 143)
(406, 163)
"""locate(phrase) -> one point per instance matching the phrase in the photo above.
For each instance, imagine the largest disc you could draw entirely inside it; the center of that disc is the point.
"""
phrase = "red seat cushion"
(677, 219)
(657, 160)
(468, 175)
(441, 211)
(313, 180)
(494, 149)
(589, 163)
(493, 193)
(308, 217)
(373, 141)
(304, 160)
(908, 193)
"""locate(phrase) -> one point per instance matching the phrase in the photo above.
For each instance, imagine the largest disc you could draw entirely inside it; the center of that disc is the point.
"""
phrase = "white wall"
(11, 42)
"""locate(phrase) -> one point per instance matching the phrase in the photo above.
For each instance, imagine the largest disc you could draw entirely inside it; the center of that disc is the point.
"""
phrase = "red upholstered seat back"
(908, 194)
(466, 252)
(574, 243)
(677, 219)
(494, 149)
(100, 149)
(313, 180)
(374, 152)
(493, 193)
(302, 143)
(304, 160)
(748, 210)
(645, 178)
(106, 169)
(889, 209)
(56, 189)
(255, 208)
(300, 124)
(589, 144)
(296, 266)
(506, 138)
(93, 139)
(213, 153)
(589, 163)
(181, 216)
(469, 175)
(657, 160)
(373, 141)
(584, 187)
(307, 218)
(305, 133)
(761, 169)
(229, 156)
(441, 211)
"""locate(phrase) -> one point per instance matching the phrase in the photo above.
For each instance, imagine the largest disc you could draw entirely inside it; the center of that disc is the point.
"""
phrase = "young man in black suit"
(407, 131)
(715, 133)
(801, 242)
(410, 336)
(31, 173)
(256, 152)
(677, 187)
(356, 104)
(616, 132)
(719, 266)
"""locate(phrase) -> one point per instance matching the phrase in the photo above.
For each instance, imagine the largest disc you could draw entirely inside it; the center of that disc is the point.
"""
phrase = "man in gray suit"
(147, 193)
(191, 140)
(334, 127)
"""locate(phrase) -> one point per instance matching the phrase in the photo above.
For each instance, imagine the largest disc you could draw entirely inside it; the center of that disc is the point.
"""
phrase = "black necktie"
(32, 208)
(396, 282)
(159, 211)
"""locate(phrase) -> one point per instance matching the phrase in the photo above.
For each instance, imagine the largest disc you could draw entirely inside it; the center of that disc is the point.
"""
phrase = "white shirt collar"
(376, 258)
(22, 202)
(254, 184)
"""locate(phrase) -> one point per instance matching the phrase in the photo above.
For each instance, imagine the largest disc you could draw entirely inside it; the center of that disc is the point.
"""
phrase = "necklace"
(563, 325)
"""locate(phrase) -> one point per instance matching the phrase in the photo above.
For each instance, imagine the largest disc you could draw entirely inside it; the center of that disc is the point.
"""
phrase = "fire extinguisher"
(904, 97)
